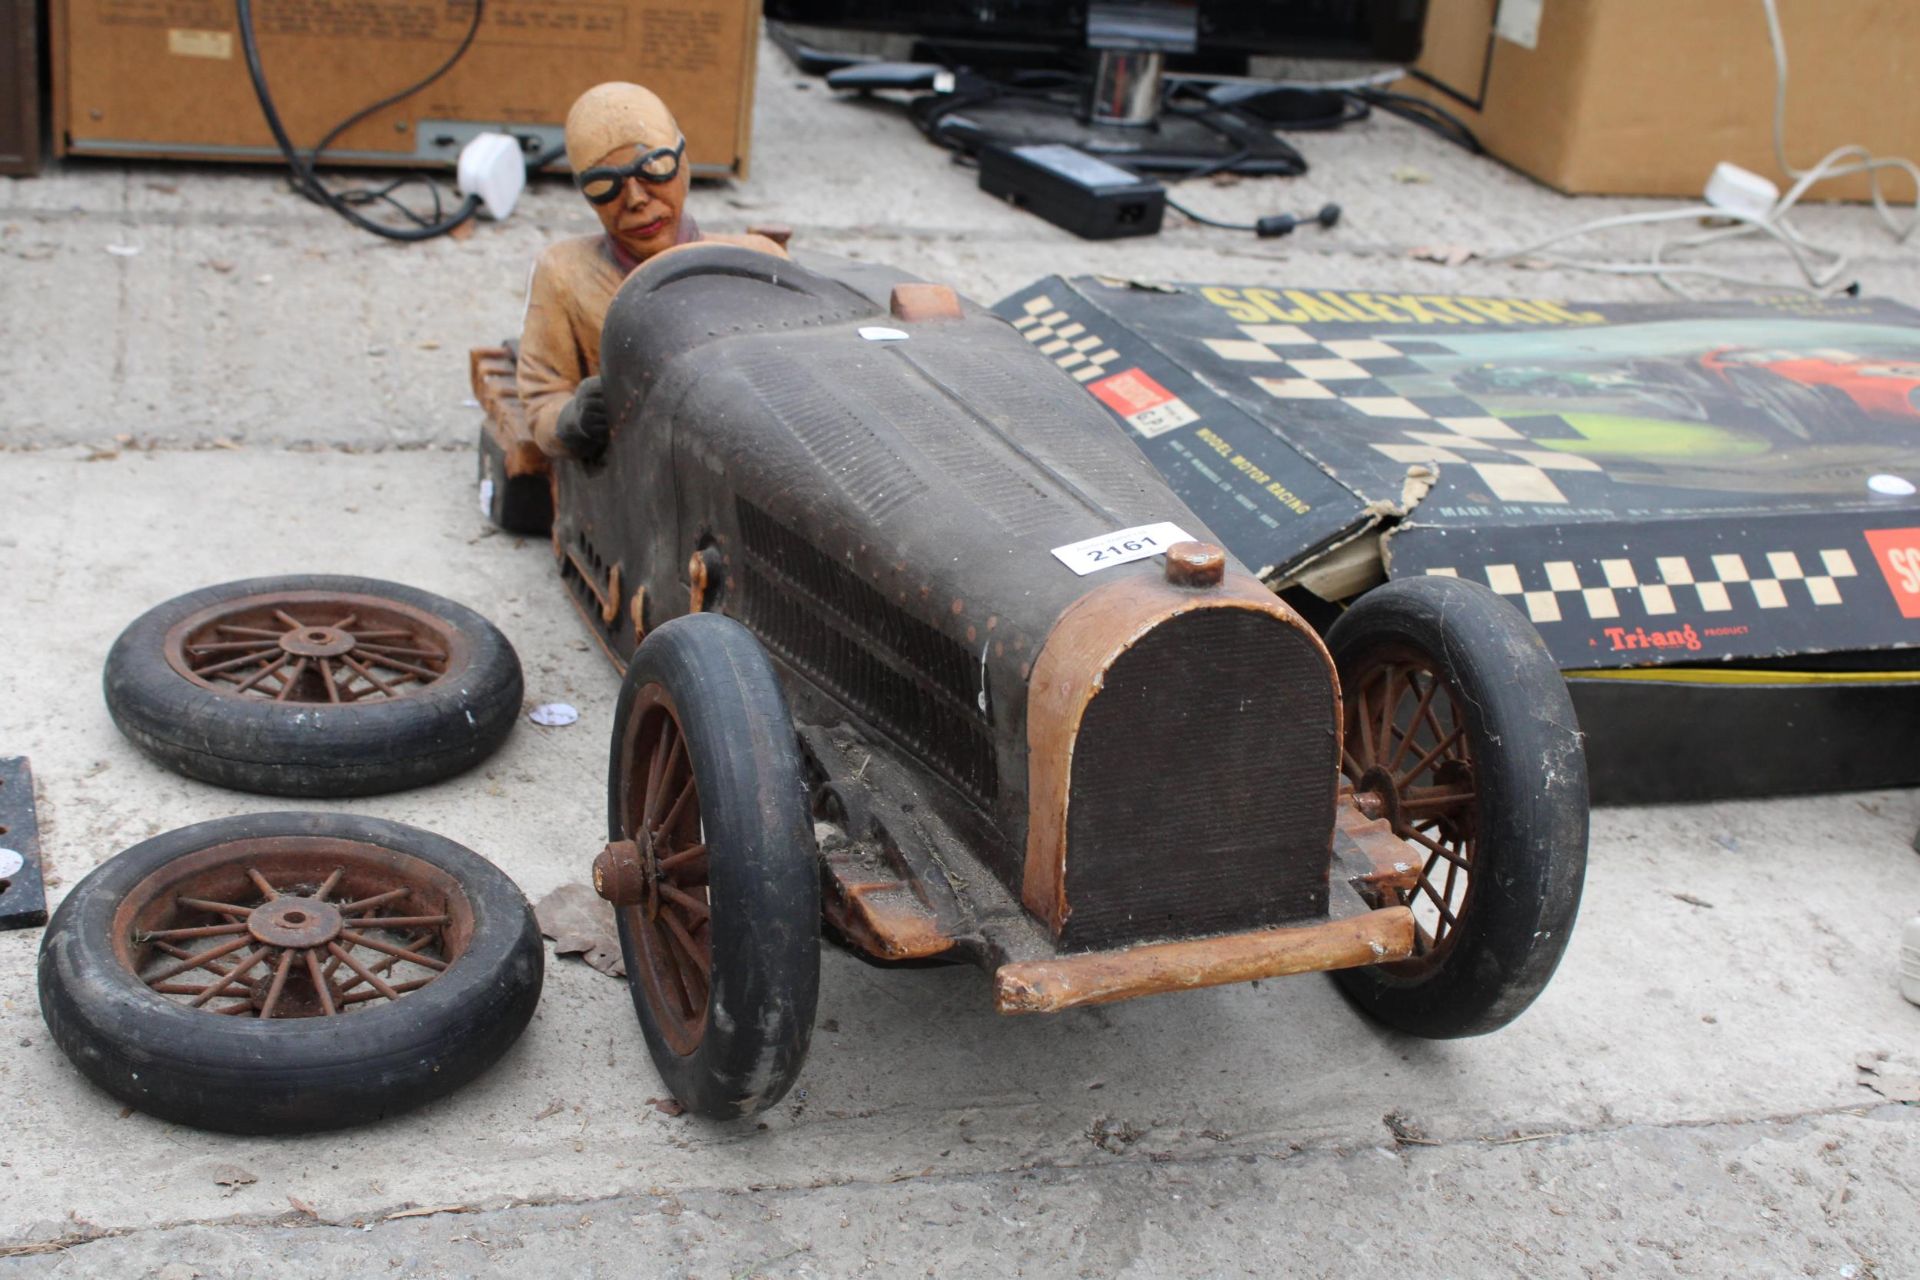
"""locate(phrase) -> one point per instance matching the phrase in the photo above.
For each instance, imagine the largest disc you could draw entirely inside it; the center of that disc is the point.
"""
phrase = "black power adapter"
(1071, 189)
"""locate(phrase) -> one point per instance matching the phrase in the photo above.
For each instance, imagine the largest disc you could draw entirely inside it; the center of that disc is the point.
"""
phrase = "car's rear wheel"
(711, 867)
(1460, 733)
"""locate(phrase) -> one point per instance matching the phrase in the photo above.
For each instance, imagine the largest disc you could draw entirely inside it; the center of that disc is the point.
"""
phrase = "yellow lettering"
(1449, 307)
(1244, 311)
(1349, 311)
(1419, 314)
(1312, 308)
(1367, 302)
(1558, 312)
(1269, 302)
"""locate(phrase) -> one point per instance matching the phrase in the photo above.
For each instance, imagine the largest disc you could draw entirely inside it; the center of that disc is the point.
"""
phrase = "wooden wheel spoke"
(1440, 749)
(229, 646)
(246, 631)
(1426, 887)
(365, 975)
(381, 659)
(1432, 805)
(399, 651)
(1437, 849)
(262, 673)
(696, 910)
(292, 623)
(367, 904)
(399, 988)
(666, 755)
(326, 678)
(679, 805)
(290, 679)
(321, 986)
(199, 959)
(203, 931)
(1419, 711)
(230, 663)
(387, 948)
(280, 972)
(238, 972)
(181, 953)
(382, 966)
(261, 883)
(399, 922)
(328, 885)
(691, 971)
(217, 908)
(687, 866)
(371, 678)
(1389, 700)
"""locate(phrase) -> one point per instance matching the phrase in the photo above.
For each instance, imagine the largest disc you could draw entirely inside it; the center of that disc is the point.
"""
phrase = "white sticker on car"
(1090, 555)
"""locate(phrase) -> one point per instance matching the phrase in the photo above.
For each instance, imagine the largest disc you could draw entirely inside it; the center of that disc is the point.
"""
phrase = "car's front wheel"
(1459, 732)
(712, 868)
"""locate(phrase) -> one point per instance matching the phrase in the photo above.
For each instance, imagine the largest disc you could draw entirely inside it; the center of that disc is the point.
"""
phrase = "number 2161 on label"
(1090, 555)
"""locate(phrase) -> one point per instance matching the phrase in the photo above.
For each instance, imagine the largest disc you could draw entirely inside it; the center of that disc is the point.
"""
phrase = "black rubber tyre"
(705, 679)
(288, 1074)
(517, 504)
(208, 728)
(1515, 755)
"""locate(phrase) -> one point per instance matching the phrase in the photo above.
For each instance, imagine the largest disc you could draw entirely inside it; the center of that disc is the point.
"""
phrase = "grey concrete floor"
(1682, 1101)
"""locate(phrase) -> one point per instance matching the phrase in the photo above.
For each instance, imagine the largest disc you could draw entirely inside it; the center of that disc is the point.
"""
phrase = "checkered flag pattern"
(1560, 589)
(1084, 356)
(1301, 367)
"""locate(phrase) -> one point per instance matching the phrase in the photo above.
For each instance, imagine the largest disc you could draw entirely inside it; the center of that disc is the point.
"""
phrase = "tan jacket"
(567, 299)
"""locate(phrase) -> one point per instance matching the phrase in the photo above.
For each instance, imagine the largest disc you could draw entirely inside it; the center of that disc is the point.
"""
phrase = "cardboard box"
(1644, 97)
(168, 77)
(1706, 509)
(19, 87)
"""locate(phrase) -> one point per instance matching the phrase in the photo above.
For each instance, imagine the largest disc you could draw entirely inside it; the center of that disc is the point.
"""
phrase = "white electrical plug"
(1741, 191)
(492, 167)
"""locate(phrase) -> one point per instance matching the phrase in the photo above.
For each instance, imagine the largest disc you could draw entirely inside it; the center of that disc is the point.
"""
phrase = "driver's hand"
(582, 426)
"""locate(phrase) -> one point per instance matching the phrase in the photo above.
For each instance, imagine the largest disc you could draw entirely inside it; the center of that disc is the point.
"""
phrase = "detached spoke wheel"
(314, 685)
(289, 971)
(711, 867)
(1459, 733)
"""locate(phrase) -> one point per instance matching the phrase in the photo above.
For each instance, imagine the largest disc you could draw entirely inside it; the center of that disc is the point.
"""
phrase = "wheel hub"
(295, 922)
(317, 642)
(1378, 796)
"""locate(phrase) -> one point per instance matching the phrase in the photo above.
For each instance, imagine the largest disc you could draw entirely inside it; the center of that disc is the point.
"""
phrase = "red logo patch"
(1897, 552)
(1130, 392)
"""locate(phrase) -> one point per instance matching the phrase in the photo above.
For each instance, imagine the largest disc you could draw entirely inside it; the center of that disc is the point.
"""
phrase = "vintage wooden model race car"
(917, 641)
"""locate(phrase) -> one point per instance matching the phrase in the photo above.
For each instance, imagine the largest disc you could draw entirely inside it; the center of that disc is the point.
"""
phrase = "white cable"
(1822, 270)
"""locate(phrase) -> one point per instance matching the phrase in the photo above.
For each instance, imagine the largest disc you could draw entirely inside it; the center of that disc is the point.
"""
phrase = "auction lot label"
(1090, 555)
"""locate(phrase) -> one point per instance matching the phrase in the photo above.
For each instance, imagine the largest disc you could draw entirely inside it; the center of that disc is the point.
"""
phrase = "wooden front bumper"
(1102, 977)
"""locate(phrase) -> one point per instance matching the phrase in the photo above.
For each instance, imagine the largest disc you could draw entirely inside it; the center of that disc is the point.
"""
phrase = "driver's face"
(645, 219)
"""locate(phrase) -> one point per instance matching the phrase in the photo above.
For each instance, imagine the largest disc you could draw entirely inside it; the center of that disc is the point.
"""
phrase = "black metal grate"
(893, 669)
(1203, 784)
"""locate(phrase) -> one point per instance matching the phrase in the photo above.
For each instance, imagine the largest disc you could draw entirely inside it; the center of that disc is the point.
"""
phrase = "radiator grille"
(1203, 781)
(895, 670)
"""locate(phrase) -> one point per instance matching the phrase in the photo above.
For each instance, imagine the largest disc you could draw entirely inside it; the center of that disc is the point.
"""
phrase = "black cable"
(1274, 224)
(307, 182)
(1428, 115)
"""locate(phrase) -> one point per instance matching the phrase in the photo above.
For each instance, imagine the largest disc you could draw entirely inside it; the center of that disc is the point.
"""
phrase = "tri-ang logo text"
(1640, 638)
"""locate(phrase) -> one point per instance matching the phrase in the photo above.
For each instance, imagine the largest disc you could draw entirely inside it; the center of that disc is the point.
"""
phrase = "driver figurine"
(629, 160)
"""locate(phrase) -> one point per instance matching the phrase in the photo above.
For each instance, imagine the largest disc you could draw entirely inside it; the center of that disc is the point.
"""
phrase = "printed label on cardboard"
(184, 43)
(1148, 407)
(1897, 552)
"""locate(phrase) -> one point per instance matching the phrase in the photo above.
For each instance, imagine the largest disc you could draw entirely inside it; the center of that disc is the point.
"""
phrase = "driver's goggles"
(602, 184)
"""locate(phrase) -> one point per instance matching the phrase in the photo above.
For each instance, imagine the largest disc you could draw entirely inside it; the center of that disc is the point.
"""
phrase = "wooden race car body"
(1098, 785)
